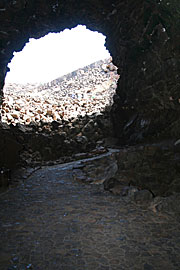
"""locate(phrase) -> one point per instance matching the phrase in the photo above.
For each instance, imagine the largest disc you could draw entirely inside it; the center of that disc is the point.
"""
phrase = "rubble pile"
(67, 116)
(83, 92)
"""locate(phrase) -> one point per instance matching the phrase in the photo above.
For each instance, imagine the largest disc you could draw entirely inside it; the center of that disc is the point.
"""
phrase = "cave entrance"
(67, 95)
(58, 77)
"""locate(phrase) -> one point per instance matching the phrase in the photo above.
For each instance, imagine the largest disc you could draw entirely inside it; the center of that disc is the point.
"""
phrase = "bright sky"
(54, 55)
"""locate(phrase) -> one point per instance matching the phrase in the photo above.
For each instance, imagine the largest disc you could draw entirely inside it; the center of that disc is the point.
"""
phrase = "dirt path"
(54, 223)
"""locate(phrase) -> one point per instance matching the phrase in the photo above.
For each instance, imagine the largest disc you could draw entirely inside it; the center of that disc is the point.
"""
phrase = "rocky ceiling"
(142, 37)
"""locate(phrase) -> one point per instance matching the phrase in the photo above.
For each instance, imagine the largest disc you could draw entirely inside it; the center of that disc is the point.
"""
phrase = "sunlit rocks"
(85, 91)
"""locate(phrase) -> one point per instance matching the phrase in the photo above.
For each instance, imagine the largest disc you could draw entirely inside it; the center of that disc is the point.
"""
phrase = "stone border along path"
(53, 222)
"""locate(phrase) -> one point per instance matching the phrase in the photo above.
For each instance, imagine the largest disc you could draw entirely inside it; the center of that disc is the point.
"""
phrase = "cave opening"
(145, 108)
(64, 92)
(73, 64)
(54, 219)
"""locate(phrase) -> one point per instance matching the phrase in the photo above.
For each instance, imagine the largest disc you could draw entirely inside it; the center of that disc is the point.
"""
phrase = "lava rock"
(143, 196)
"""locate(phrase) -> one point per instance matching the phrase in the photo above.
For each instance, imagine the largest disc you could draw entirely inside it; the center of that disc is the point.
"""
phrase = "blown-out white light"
(54, 55)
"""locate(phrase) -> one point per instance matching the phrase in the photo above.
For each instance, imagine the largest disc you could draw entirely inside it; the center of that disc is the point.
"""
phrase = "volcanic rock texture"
(66, 116)
(143, 39)
(83, 92)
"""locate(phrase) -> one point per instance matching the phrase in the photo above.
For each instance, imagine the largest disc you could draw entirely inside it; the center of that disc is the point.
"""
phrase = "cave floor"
(52, 222)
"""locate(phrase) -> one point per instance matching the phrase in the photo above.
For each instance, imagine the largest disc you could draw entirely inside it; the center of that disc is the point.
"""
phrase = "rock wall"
(147, 103)
(151, 166)
(143, 39)
(39, 143)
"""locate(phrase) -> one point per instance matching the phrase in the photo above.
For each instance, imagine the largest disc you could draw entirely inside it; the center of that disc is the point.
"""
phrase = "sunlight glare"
(54, 55)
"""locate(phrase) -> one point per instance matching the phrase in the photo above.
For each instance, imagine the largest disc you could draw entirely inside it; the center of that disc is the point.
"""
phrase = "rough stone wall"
(147, 105)
(154, 167)
(44, 143)
(142, 37)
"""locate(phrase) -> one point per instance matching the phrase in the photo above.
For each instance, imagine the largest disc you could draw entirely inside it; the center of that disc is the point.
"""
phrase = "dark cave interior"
(143, 41)
(102, 207)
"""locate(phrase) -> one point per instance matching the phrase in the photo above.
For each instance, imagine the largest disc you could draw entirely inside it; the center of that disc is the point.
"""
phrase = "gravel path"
(52, 222)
